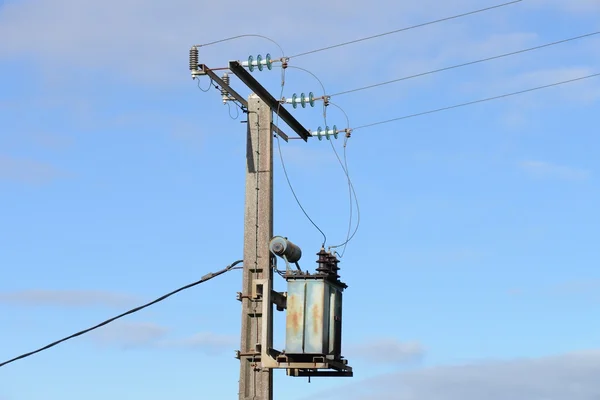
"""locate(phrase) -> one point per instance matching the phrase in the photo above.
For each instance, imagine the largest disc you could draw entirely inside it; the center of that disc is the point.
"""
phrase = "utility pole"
(313, 302)
(255, 382)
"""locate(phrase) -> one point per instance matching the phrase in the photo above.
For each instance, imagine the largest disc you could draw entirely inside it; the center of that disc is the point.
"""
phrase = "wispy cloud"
(129, 334)
(49, 140)
(545, 170)
(571, 376)
(387, 350)
(71, 29)
(575, 6)
(492, 45)
(67, 298)
(577, 287)
(208, 342)
(148, 335)
(585, 91)
(587, 288)
(28, 171)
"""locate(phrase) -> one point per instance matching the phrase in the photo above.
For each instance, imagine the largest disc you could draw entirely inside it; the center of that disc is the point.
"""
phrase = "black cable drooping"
(134, 310)
(287, 178)
(351, 191)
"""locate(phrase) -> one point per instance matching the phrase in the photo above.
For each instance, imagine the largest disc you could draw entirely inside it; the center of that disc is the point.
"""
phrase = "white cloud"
(49, 140)
(129, 334)
(144, 40)
(565, 377)
(545, 170)
(150, 336)
(493, 45)
(66, 298)
(587, 286)
(28, 171)
(586, 91)
(208, 342)
(575, 6)
(387, 350)
(35, 138)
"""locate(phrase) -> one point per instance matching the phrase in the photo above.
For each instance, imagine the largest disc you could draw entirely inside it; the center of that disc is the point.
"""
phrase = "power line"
(210, 85)
(351, 191)
(466, 64)
(287, 178)
(349, 238)
(405, 29)
(243, 36)
(237, 115)
(344, 165)
(134, 310)
(476, 101)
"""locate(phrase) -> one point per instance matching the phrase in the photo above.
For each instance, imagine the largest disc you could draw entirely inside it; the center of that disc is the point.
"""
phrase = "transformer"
(314, 320)
(314, 317)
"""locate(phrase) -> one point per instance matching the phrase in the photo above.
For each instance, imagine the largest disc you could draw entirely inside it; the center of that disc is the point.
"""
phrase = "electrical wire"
(351, 191)
(134, 310)
(238, 106)
(236, 109)
(476, 101)
(287, 178)
(404, 29)
(210, 84)
(466, 64)
(243, 36)
(344, 165)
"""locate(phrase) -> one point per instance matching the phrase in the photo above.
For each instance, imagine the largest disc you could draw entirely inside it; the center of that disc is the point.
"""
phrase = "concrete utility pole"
(313, 303)
(256, 383)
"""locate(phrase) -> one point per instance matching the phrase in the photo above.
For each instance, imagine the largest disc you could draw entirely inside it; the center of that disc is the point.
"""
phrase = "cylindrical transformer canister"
(281, 247)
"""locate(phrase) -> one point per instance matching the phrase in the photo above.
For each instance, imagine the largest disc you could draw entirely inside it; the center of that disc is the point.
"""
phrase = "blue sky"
(473, 273)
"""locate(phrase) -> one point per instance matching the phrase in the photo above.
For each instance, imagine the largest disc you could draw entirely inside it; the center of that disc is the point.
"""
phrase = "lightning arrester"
(194, 62)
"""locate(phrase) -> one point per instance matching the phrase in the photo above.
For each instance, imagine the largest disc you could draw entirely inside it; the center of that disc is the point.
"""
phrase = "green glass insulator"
(269, 61)
(259, 62)
(250, 61)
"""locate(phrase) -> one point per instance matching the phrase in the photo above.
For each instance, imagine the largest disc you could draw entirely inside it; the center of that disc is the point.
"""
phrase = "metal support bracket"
(264, 94)
(235, 95)
(279, 299)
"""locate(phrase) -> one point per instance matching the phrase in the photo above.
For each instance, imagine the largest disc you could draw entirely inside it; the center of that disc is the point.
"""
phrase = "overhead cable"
(404, 29)
(465, 64)
(344, 164)
(243, 36)
(476, 101)
(285, 173)
(134, 310)
(351, 191)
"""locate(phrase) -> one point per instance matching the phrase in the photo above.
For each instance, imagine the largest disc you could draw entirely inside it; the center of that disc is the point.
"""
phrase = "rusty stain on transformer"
(293, 320)
(317, 317)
